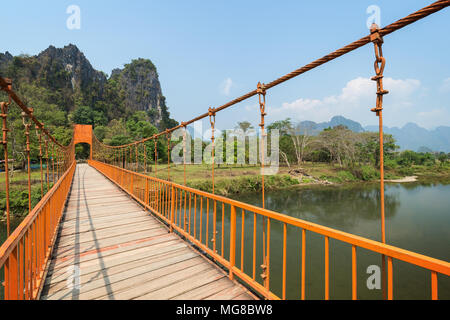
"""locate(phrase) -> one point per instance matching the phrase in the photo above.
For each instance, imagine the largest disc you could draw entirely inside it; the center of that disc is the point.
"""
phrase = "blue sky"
(209, 52)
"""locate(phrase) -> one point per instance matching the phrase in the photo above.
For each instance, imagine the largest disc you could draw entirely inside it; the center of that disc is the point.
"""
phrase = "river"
(417, 219)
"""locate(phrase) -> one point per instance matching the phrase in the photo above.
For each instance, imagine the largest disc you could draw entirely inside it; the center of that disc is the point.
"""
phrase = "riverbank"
(237, 179)
(243, 179)
(403, 180)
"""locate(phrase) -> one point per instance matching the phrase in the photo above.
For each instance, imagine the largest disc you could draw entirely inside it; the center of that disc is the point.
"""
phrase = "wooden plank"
(205, 291)
(105, 233)
(93, 260)
(108, 241)
(105, 212)
(111, 217)
(90, 227)
(243, 296)
(109, 244)
(98, 269)
(190, 283)
(114, 267)
(134, 288)
(100, 280)
(125, 253)
(227, 294)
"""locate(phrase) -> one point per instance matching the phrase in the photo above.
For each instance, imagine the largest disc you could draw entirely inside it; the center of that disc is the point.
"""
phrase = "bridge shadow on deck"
(110, 248)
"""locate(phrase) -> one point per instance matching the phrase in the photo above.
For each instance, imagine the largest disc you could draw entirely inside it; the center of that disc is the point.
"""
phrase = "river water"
(417, 219)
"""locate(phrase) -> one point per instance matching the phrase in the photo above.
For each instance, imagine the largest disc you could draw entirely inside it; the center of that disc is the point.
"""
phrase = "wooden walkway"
(121, 252)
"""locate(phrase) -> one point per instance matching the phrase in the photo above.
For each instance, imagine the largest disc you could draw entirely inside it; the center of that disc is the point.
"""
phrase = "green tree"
(83, 115)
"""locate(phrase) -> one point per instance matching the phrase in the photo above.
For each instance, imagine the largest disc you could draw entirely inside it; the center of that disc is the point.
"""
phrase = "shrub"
(346, 176)
(244, 184)
(366, 173)
(390, 164)
(406, 171)
(18, 200)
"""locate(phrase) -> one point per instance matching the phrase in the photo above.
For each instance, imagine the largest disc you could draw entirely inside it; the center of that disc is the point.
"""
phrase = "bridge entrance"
(82, 133)
(82, 151)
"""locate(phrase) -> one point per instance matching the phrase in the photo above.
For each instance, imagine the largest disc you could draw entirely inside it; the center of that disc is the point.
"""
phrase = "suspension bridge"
(110, 229)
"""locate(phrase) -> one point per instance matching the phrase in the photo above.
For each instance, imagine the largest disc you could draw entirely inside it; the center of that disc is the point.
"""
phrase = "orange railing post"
(27, 126)
(327, 269)
(232, 241)
(284, 260)
(354, 275)
(172, 207)
(4, 115)
(434, 286)
(303, 264)
(147, 195)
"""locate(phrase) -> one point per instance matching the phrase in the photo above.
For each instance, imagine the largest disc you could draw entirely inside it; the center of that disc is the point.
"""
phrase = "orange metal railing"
(200, 218)
(25, 254)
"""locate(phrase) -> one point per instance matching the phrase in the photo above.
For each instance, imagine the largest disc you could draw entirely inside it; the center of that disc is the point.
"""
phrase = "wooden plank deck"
(122, 252)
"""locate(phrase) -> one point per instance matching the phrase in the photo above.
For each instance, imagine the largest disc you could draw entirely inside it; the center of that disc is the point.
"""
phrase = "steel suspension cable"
(401, 23)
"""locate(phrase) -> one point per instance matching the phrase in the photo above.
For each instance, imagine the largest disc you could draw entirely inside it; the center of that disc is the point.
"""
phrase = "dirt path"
(405, 179)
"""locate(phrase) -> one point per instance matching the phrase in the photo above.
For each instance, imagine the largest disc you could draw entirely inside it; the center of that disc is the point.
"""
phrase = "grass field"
(20, 178)
(237, 179)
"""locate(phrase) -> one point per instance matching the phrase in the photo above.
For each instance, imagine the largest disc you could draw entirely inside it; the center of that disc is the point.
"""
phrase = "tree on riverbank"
(357, 152)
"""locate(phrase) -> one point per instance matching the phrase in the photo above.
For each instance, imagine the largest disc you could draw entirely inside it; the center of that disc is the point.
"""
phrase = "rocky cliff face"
(142, 90)
(81, 73)
(65, 77)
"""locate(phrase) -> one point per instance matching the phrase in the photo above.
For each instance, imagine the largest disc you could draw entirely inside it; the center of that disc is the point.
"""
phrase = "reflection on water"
(342, 208)
(417, 219)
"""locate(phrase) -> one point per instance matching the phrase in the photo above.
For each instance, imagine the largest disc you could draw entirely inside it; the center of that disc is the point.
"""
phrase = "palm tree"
(244, 126)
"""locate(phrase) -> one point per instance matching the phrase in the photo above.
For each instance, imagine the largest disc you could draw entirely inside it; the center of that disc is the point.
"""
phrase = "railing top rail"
(420, 260)
(420, 14)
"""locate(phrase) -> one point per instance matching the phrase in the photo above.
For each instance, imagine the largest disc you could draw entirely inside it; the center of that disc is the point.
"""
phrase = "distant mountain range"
(314, 128)
(409, 137)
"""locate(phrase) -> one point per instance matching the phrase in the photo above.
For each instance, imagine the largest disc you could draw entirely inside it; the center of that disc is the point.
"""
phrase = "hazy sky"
(209, 52)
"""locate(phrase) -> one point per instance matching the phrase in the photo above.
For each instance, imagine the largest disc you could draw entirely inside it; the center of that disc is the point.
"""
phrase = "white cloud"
(445, 87)
(354, 101)
(434, 117)
(226, 85)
